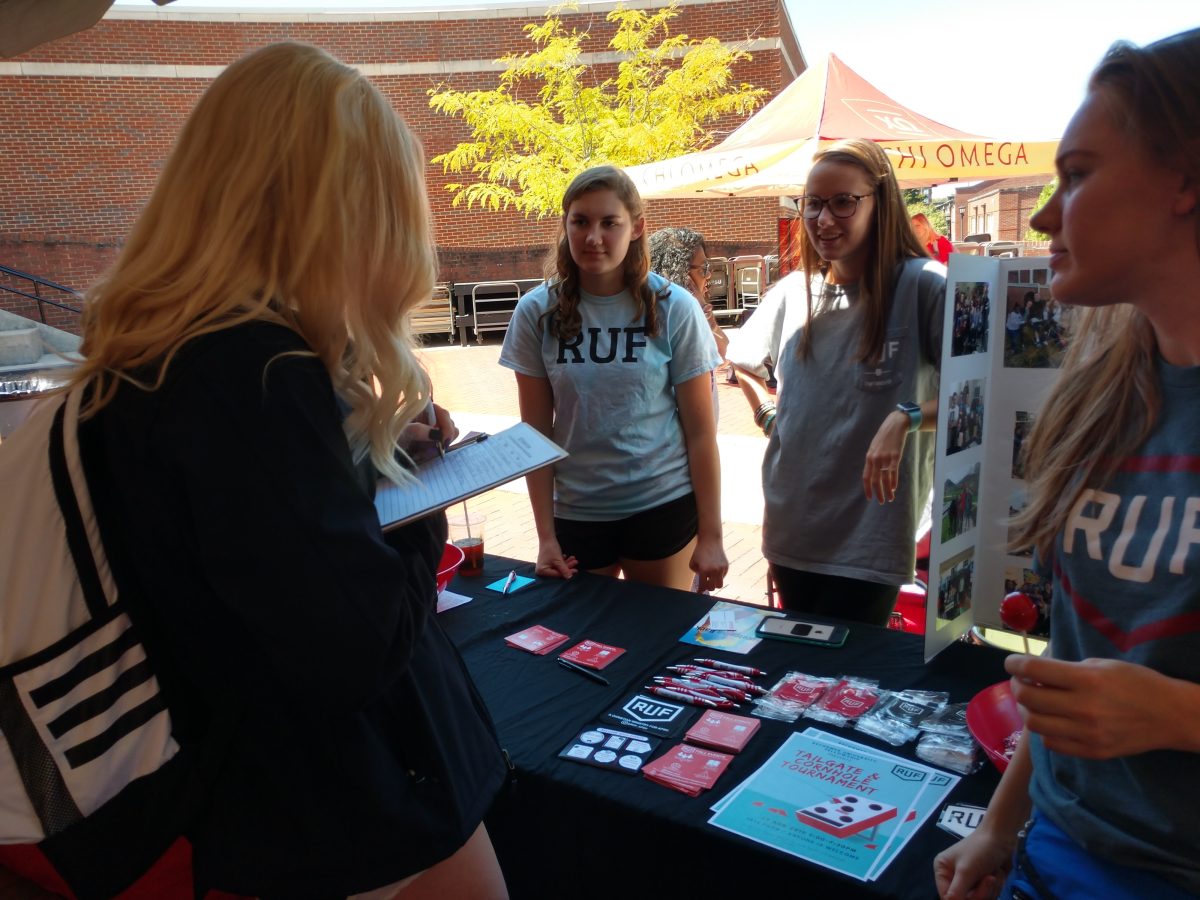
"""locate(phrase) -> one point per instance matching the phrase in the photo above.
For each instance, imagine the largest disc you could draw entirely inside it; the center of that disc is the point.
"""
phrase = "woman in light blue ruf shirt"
(613, 364)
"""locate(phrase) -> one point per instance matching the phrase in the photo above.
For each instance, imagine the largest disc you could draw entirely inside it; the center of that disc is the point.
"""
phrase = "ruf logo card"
(660, 718)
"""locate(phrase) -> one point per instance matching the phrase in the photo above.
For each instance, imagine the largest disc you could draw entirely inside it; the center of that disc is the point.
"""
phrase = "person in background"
(1013, 326)
(1033, 317)
(679, 255)
(855, 335)
(614, 364)
(250, 373)
(936, 245)
(1095, 802)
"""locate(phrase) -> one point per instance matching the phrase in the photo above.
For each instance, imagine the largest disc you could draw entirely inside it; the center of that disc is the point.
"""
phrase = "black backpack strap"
(68, 504)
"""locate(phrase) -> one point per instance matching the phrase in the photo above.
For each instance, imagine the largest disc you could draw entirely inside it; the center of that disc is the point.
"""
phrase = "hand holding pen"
(429, 434)
(436, 435)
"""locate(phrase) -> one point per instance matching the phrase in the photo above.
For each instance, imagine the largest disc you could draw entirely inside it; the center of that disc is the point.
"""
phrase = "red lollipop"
(1019, 612)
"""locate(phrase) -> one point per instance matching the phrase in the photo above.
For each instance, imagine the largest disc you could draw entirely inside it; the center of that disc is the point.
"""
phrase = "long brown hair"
(294, 194)
(563, 272)
(891, 241)
(1106, 400)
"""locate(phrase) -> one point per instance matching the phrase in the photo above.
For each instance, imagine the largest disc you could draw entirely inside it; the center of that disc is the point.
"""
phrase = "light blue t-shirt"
(614, 396)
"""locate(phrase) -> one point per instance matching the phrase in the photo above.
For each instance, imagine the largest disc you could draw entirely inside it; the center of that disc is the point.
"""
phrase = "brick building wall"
(90, 118)
(1000, 208)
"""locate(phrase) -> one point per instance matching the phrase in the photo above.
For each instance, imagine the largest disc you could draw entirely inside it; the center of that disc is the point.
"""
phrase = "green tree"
(550, 117)
(1031, 234)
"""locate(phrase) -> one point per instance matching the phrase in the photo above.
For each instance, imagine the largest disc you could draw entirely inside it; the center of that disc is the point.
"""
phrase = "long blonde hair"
(892, 241)
(1106, 400)
(563, 272)
(294, 194)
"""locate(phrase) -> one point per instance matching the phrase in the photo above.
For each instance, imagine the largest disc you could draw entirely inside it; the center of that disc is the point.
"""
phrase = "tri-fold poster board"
(1003, 340)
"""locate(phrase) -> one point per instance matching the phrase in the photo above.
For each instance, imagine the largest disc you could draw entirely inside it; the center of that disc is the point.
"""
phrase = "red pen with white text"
(730, 667)
(704, 695)
(712, 691)
(735, 683)
(704, 671)
(693, 684)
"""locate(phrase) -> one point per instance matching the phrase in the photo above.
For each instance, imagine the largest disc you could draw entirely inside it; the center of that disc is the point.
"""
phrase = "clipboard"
(468, 470)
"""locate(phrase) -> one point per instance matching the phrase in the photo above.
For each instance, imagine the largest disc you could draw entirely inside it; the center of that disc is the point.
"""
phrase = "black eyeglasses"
(705, 268)
(843, 206)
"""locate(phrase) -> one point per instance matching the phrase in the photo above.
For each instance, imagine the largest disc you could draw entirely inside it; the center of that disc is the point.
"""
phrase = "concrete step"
(20, 346)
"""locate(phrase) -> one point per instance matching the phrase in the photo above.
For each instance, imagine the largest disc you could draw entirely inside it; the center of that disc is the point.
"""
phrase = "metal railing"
(37, 284)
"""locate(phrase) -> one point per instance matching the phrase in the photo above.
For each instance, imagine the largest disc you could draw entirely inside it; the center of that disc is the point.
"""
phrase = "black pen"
(587, 673)
(471, 439)
(435, 433)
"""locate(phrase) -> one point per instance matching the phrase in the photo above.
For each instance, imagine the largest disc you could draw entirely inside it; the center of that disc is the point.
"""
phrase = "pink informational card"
(536, 639)
(722, 730)
(592, 654)
(688, 768)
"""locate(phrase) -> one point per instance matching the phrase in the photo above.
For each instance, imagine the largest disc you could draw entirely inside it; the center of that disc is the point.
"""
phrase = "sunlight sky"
(1002, 68)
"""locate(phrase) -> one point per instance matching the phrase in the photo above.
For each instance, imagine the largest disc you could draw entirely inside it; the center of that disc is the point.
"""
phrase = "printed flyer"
(728, 626)
(940, 784)
(835, 803)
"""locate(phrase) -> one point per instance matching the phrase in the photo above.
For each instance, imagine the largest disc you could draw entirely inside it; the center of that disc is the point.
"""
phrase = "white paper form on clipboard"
(464, 472)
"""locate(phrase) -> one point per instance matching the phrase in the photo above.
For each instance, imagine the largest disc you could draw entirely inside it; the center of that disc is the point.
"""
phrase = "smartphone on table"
(824, 634)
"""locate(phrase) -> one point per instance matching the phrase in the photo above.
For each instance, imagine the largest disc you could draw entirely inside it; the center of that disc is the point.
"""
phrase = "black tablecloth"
(574, 831)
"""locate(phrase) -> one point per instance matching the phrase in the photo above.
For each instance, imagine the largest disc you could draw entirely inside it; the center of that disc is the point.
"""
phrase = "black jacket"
(246, 541)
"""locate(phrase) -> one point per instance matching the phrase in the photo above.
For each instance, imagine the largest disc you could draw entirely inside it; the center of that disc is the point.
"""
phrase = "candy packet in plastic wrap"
(791, 695)
(896, 718)
(950, 719)
(850, 698)
(950, 751)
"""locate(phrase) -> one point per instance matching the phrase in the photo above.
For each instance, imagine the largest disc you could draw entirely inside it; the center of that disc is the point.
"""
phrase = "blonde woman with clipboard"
(232, 437)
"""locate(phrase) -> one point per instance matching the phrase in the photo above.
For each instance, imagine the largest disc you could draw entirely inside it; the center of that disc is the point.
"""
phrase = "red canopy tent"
(771, 153)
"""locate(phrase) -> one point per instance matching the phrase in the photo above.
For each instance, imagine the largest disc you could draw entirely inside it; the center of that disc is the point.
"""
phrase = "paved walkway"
(482, 395)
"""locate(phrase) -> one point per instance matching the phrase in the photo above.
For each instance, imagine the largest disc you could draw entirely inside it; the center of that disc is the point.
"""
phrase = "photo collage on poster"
(1004, 336)
(972, 311)
(1038, 341)
(961, 414)
(964, 416)
(1037, 328)
(1020, 577)
(956, 585)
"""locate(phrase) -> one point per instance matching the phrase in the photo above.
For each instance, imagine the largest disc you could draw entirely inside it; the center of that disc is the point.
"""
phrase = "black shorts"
(653, 534)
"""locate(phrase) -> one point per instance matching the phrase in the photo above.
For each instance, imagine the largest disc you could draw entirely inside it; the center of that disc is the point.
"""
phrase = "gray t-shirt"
(614, 396)
(1127, 586)
(817, 518)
